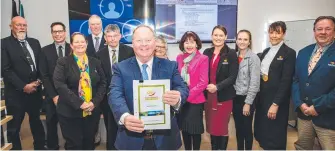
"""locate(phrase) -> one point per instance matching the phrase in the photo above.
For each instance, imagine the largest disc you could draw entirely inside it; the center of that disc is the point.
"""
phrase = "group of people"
(94, 75)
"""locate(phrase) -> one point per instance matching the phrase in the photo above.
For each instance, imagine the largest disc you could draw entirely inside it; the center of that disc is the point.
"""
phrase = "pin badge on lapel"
(265, 77)
(225, 61)
(331, 64)
(280, 58)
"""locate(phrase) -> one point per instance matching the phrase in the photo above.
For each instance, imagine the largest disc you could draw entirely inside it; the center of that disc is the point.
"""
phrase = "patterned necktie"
(97, 44)
(28, 55)
(314, 60)
(60, 52)
(114, 57)
(144, 72)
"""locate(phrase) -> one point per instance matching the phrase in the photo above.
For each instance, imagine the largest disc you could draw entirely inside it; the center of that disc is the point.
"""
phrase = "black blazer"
(47, 64)
(125, 52)
(226, 73)
(66, 80)
(16, 71)
(278, 87)
(90, 46)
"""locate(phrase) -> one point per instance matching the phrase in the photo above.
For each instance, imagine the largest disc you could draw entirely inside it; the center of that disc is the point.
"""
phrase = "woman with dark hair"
(223, 68)
(81, 85)
(272, 106)
(193, 67)
(247, 87)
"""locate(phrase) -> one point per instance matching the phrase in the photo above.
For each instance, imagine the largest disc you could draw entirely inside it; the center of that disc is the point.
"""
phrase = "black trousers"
(243, 124)
(14, 126)
(79, 133)
(51, 122)
(110, 124)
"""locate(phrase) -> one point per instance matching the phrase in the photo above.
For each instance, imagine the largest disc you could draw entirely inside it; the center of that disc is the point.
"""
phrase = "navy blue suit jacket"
(121, 101)
(318, 88)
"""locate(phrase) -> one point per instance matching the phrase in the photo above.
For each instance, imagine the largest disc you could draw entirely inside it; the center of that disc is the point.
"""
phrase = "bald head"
(18, 27)
(144, 28)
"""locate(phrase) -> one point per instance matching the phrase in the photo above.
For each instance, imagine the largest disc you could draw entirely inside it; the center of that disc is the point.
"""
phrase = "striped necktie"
(114, 56)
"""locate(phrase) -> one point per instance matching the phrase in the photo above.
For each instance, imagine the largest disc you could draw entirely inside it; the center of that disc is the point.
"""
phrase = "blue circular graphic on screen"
(84, 29)
(128, 27)
(108, 8)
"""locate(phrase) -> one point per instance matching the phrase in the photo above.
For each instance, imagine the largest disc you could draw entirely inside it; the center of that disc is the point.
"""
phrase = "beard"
(21, 35)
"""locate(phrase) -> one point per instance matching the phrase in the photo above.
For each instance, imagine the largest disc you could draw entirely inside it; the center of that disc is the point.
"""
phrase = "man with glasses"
(313, 90)
(114, 52)
(19, 68)
(48, 59)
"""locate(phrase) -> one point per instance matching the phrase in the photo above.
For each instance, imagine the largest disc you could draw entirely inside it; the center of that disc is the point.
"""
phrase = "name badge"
(331, 64)
(280, 58)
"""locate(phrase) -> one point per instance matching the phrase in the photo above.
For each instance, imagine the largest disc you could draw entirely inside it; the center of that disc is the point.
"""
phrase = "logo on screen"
(110, 9)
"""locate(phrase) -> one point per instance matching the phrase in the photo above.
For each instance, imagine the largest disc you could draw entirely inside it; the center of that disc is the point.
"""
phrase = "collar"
(324, 47)
(100, 36)
(277, 46)
(149, 63)
(117, 48)
(60, 44)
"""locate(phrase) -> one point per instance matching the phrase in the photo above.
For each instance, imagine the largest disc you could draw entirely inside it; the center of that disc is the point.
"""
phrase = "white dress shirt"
(266, 62)
(63, 48)
(100, 38)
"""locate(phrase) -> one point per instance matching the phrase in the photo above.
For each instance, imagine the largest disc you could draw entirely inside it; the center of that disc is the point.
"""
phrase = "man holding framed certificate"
(145, 121)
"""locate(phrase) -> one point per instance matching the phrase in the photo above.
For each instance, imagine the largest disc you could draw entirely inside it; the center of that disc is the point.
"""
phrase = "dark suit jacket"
(90, 46)
(226, 73)
(125, 52)
(121, 101)
(318, 88)
(281, 73)
(17, 72)
(66, 80)
(47, 64)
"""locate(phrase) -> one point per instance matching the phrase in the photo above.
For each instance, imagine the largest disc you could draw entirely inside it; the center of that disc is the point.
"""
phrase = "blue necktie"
(144, 72)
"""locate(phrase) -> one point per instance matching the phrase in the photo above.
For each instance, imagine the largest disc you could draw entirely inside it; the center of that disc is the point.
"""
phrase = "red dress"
(217, 113)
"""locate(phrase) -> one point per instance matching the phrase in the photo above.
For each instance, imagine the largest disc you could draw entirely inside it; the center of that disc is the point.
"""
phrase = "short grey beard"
(21, 35)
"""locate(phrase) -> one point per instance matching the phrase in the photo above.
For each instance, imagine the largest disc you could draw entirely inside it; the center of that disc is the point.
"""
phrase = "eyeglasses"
(57, 31)
(160, 47)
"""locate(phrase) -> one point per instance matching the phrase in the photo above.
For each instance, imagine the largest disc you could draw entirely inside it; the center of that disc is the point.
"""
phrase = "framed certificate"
(148, 103)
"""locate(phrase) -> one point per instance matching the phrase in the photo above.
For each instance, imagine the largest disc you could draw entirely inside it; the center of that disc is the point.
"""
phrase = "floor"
(205, 145)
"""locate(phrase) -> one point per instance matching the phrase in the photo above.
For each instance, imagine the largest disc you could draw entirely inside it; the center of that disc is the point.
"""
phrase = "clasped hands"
(87, 106)
(308, 111)
(31, 87)
(134, 124)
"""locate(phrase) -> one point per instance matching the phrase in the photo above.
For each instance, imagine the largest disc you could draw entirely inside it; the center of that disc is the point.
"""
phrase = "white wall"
(253, 15)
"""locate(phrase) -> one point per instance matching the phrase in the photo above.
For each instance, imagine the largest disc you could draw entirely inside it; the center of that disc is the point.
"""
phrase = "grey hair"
(162, 39)
(111, 27)
(94, 16)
